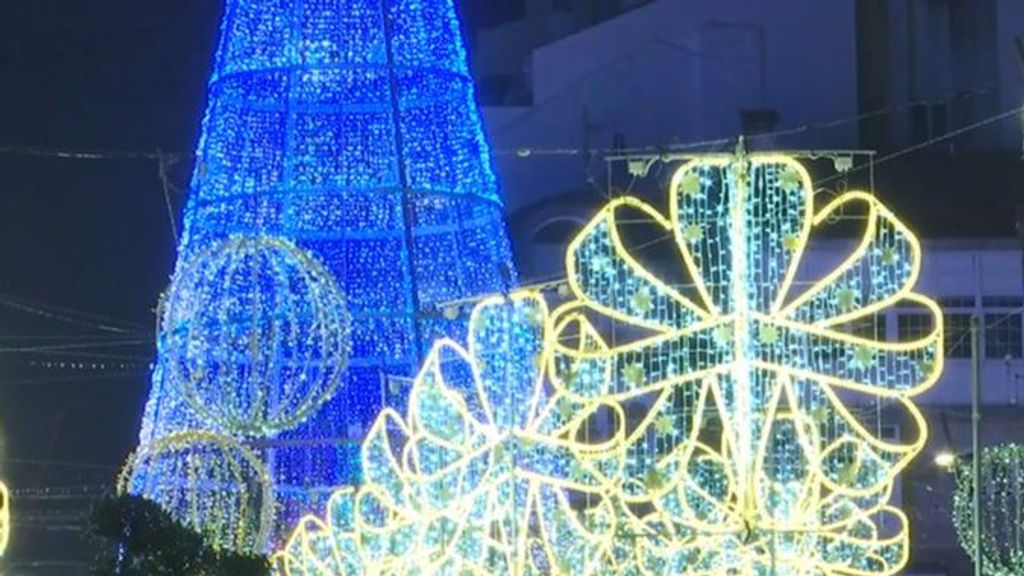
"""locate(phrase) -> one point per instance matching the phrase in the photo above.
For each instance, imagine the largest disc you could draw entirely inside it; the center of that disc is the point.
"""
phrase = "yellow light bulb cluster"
(702, 427)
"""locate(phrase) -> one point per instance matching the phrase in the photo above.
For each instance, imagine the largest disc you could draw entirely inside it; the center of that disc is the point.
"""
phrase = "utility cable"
(68, 316)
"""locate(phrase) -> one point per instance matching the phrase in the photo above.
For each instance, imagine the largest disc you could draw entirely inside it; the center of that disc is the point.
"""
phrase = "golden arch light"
(747, 457)
(5, 517)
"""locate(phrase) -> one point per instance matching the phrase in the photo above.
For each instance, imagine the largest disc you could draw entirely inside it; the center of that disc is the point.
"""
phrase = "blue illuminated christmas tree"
(346, 129)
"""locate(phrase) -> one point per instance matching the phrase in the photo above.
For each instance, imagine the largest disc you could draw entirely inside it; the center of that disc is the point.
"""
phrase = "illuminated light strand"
(210, 483)
(1002, 499)
(788, 480)
(483, 446)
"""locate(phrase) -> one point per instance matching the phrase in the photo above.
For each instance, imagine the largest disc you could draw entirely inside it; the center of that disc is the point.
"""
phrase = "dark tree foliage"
(139, 538)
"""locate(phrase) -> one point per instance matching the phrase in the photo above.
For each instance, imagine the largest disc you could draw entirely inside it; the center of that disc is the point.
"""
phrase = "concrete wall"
(960, 56)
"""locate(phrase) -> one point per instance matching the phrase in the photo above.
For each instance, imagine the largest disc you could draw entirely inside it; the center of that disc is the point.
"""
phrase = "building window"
(1002, 336)
(1002, 301)
(872, 327)
(912, 327)
(958, 335)
(956, 301)
(928, 120)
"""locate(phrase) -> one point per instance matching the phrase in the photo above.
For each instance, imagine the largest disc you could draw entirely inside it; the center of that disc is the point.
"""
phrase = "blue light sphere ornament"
(255, 335)
(349, 128)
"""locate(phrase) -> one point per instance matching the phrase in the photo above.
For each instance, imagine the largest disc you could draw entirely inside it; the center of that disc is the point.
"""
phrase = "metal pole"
(976, 436)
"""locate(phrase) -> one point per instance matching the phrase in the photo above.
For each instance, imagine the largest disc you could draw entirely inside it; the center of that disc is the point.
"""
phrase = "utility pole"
(976, 437)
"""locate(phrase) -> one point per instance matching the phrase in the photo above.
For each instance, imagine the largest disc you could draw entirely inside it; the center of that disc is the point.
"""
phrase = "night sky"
(86, 246)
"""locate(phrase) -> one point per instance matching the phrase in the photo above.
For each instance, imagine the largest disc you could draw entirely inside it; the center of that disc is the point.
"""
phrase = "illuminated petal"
(506, 341)
(851, 458)
(880, 271)
(380, 453)
(606, 277)
(772, 195)
(437, 412)
(891, 369)
(580, 370)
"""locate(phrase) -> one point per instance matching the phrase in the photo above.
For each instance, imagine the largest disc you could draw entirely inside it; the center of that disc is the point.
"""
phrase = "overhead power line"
(81, 154)
(70, 316)
(167, 159)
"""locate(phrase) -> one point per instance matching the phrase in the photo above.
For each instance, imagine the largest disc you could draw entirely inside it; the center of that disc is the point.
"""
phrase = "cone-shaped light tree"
(343, 188)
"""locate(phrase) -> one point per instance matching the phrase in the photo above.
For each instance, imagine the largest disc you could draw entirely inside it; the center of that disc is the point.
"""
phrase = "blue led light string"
(348, 128)
(403, 175)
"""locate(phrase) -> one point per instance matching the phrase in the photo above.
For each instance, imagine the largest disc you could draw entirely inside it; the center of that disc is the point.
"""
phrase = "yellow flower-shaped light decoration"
(749, 459)
(711, 436)
(477, 479)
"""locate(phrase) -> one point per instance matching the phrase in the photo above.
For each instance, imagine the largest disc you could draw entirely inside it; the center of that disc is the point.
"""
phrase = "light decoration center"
(702, 427)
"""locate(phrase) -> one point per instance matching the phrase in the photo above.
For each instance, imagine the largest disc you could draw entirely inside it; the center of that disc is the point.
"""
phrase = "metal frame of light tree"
(747, 458)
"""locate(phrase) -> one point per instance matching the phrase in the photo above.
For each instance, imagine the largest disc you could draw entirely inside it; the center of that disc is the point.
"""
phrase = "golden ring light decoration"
(720, 438)
(208, 482)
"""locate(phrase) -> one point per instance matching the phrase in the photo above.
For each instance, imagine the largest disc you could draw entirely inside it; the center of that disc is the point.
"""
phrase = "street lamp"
(945, 459)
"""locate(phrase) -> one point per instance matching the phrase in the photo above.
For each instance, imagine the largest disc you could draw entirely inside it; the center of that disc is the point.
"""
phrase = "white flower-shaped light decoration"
(477, 478)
